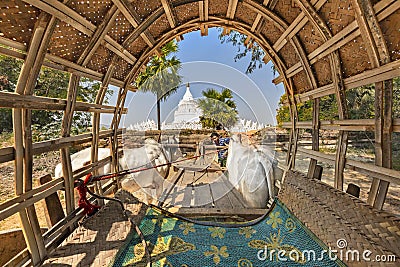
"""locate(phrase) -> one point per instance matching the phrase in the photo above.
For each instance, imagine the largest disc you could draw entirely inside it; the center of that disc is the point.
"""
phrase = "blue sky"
(206, 63)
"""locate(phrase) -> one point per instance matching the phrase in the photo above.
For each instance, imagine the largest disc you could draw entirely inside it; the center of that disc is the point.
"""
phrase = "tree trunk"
(158, 114)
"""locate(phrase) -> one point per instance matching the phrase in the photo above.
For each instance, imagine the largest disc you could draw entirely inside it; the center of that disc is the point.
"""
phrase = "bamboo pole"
(65, 132)
(49, 24)
(315, 137)
(23, 138)
(96, 123)
(378, 55)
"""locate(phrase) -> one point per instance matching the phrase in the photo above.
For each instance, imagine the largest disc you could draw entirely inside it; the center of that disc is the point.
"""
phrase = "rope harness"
(89, 208)
(82, 185)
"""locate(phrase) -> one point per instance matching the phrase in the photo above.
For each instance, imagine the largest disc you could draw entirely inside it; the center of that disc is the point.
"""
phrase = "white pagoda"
(188, 110)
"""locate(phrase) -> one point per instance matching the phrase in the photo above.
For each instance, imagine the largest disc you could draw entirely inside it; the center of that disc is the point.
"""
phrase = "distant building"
(246, 125)
(188, 110)
(186, 116)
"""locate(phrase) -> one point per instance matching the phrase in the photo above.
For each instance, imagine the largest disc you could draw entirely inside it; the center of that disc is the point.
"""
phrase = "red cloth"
(88, 208)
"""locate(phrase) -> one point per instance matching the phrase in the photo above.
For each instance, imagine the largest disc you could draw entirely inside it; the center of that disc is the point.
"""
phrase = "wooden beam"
(382, 9)
(68, 15)
(144, 25)
(14, 44)
(345, 125)
(371, 33)
(277, 80)
(256, 22)
(58, 62)
(203, 29)
(21, 202)
(65, 132)
(232, 5)
(299, 22)
(169, 13)
(258, 18)
(378, 54)
(44, 28)
(96, 117)
(336, 72)
(389, 175)
(215, 22)
(282, 26)
(134, 19)
(385, 72)
(53, 208)
(312, 169)
(203, 10)
(98, 36)
(13, 100)
(383, 140)
(272, 4)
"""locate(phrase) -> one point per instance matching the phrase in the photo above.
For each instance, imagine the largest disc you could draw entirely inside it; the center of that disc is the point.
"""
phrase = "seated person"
(222, 153)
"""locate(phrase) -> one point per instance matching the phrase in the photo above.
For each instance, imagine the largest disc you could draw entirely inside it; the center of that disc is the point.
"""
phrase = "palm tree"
(219, 110)
(161, 76)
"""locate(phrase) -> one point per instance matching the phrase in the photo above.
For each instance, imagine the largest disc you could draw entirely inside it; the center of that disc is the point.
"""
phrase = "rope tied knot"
(83, 203)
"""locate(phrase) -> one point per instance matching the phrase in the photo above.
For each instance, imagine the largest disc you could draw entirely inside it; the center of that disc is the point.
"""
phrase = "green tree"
(219, 109)
(256, 53)
(161, 76)
(328, 110)
(9, 72)
(282, 113)
(360, 102)
(51, 83)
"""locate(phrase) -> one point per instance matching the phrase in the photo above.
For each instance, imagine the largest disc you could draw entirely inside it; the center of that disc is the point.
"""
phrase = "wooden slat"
(98, 36)
(220, 195)
(187, 197)
(13, 100)
(202, 196)
(234, 196)
(296, 26)
(345, 125)
(19, 206)
(382, 173)
(382, 9)
(170, 187)
(68, 15)
(53, 209)
(385, 72)
(130, 14)
(169, 13)
(232, 5)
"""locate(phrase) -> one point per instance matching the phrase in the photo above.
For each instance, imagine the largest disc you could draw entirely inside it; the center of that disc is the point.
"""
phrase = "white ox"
(150, 181)
(250, 170)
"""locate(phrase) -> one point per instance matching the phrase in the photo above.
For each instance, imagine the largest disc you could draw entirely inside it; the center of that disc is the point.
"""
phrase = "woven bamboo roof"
(306, 40)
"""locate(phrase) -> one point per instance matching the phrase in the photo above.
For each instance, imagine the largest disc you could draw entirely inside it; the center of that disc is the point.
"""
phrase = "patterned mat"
(278, 239)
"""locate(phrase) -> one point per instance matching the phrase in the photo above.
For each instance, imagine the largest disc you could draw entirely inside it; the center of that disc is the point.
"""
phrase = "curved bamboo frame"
(103, 52)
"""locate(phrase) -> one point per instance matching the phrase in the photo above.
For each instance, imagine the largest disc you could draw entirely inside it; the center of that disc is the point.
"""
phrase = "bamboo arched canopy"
(320, 47)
